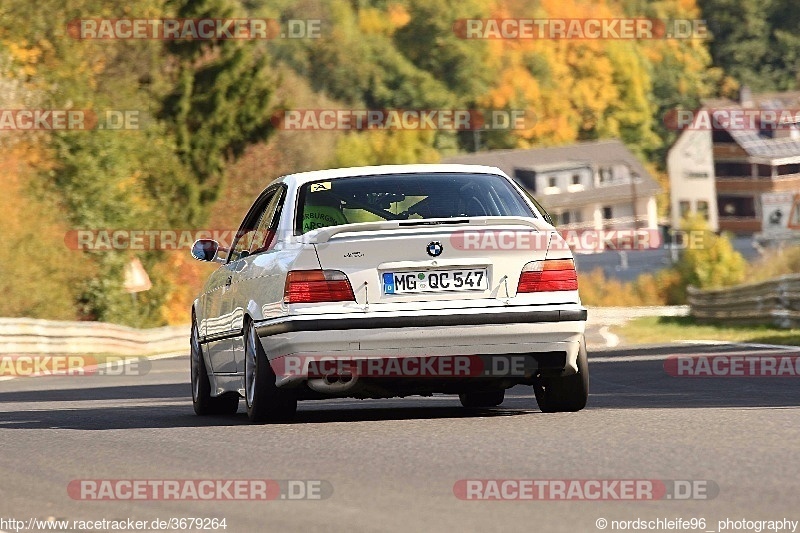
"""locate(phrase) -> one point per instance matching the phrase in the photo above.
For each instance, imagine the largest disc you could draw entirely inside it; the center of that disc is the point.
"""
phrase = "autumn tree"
(756, 41)
(710, 261)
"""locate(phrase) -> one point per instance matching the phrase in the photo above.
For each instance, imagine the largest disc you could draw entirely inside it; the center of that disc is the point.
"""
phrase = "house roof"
(592, 153)
(750, 140)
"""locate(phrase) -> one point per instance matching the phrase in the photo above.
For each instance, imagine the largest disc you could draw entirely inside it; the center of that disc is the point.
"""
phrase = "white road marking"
(777, 347)
(762, 349)
(627, 359)
(611, 339)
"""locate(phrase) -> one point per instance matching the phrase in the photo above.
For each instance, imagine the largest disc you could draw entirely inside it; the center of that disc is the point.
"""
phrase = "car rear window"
(405, 197)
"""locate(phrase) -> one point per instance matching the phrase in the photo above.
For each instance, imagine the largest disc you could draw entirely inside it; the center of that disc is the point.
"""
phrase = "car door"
(254, 267)
(216, 327)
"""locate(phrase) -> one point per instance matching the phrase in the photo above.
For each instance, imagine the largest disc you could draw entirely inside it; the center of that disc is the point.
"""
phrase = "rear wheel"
(265, 401)
(567, 393)
(204, 404)
(474, 400)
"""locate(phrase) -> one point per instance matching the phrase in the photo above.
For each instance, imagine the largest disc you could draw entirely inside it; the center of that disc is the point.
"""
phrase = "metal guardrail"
(775, 302)
(30, 335)
(616, 316)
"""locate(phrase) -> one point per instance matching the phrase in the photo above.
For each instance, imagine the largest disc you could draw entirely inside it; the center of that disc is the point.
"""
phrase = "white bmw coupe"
(377, 282)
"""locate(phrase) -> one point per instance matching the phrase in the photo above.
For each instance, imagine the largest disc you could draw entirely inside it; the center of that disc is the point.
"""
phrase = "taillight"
(548, 275)
(312, 286)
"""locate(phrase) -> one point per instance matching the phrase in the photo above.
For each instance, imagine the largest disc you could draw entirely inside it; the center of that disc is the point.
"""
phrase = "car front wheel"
(265, 401)
(567, 393)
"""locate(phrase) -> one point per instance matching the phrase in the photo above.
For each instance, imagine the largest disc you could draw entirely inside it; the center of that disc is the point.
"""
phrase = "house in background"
(589, 185)
(690, 162)
(724, 173)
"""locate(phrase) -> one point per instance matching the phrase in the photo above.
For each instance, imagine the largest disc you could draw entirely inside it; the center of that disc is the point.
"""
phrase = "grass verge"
(658, 330)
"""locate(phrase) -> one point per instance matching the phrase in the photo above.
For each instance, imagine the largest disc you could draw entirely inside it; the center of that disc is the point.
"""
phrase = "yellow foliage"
(775, 262)
(187, 277)
(27, 57)
(372, 21)
(376, 21)
(661, 288)
(398, 16)
(41, 276)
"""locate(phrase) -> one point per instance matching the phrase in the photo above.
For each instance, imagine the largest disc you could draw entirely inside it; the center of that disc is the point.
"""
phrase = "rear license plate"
(473, 279)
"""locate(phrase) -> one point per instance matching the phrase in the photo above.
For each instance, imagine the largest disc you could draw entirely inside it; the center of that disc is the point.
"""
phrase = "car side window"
(244, 237)
(264, 236)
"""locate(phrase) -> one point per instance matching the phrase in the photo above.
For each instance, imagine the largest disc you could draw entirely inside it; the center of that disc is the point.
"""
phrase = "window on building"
(565, 217)
(736, 206)
(702, 209)
(551, 181)
(721, 136)
(576, 179)
(607, 212)
(764, 171)
(684, 208)
(733, 170)
(788, 169)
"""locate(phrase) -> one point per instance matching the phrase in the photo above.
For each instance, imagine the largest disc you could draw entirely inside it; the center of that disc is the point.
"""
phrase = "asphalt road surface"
(393, 464)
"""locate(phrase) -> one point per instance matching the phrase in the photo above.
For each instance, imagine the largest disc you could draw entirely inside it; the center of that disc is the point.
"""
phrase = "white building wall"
(563, 181)
(690, 164)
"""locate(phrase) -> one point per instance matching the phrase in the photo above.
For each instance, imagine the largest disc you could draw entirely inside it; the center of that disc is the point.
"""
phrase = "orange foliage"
(187, 277)
(661, 288)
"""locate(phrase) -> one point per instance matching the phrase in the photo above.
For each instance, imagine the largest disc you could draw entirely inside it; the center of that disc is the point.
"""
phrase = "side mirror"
(205, 249)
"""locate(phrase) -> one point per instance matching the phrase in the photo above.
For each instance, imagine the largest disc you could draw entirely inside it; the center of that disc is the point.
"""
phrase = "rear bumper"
(342, 322)
(528, 330)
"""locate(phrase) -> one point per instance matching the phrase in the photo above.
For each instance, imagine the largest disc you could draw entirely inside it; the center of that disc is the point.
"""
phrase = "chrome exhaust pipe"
(333, 383)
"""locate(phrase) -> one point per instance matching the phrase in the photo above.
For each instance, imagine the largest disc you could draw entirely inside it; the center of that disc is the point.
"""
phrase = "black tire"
(566, 394)
(265, 402)
(204, 404)
(477, 400)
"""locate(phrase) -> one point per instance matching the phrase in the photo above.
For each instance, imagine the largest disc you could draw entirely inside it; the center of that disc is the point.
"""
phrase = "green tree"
(385, 148)
(756, 41)
(710, 261)
(221, 101)
(429, 42)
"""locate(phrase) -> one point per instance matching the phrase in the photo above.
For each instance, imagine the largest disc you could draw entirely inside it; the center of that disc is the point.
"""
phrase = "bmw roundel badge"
(435, 249)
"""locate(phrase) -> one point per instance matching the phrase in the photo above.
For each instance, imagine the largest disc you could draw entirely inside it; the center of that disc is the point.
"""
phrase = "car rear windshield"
(406, 197)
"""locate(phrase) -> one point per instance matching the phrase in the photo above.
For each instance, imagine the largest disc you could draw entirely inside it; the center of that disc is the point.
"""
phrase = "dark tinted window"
(405, 197)
(736, 206)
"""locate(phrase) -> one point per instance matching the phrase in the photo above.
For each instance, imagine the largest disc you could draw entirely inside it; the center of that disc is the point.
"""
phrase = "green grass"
(657, 330)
